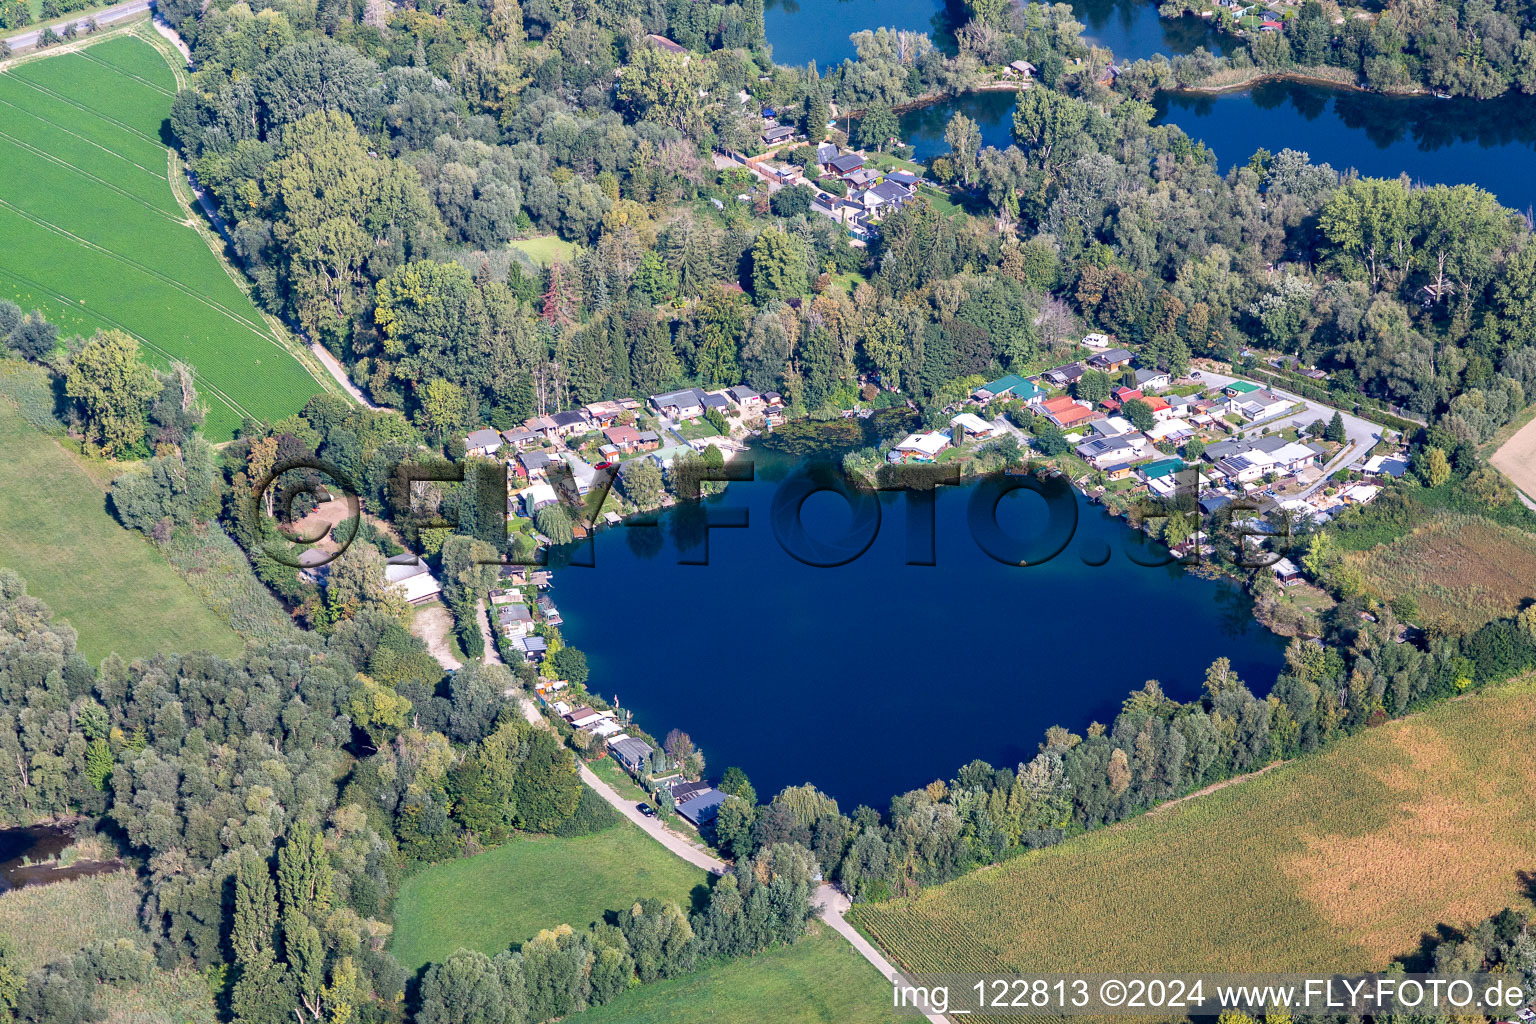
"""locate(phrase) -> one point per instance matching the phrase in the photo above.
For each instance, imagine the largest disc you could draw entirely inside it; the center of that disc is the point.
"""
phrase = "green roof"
(1241, 387)
(1161, 468)
(1020, 387)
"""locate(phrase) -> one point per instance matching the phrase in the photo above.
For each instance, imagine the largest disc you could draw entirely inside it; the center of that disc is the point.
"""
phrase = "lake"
(1488, 143)
(28, 856)
(878, 677)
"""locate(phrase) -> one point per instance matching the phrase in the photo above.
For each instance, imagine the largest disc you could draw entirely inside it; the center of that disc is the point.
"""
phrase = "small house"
(1152, 380)
(634, 754)
(1019, 69)
(483, 442)
(923, 447)
(845, 164)
(973, 428)
(1110, 359)
(687, 404)
(702, 809)
(1062, 376)
(1011, 386)
(1286, 572)
(1097, 342)
(777, 134)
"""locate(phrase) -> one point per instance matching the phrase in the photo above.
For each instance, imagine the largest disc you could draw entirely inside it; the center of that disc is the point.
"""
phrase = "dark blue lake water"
(878, 677)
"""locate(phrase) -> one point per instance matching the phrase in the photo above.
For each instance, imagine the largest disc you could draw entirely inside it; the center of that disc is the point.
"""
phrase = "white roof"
(1362, 492)
(1284, 567)
(538, 494)
(1168, 428)
(970, 421)
(414, 581)
(930, 443)
(1096, 340)
(1292, 452)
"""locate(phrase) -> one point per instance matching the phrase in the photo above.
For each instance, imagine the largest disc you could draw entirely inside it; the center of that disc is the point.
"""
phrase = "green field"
(1340, 861)
(545, 249)
(503, 897)
(818, 980)
(95, 237)
(108, 583)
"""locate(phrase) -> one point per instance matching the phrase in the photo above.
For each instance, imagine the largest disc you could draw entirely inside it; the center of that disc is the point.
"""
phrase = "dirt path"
(433, 623)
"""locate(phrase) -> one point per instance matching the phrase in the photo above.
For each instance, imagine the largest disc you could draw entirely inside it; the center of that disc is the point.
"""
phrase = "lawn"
(696, 429)
(503, 897)
(96, 238)
(110, 584)
(545, 249)
(819, 980)
(1462, 571)
(1341, 861)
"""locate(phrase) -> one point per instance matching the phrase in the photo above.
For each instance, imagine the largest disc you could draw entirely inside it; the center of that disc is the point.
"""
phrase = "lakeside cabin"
(973, 427)
(924, 447)
(687, 404)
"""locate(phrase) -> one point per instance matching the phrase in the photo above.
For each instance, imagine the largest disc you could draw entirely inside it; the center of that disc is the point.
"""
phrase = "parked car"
(646, 809)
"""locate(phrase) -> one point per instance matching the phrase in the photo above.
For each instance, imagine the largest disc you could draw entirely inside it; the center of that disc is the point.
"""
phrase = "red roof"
(621, 435)
(1058, 403)
(1067, 417)
(1157, 404)
(1125, 394)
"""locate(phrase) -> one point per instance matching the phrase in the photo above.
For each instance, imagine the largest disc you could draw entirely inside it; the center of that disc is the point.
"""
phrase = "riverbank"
(1242, 79)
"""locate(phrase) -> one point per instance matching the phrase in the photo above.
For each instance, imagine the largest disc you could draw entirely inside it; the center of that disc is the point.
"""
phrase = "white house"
(1258, 405)
(538, 496)
(920, 447)
(412, 578)
(973, 427)
(1170, 430)
(1097, 342)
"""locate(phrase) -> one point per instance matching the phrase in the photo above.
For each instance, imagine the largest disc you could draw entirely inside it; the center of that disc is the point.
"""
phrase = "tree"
(778, 267)
(466, 988)
(964, 138)
(660, 86)
(640, 481)
(1432, 466)
(735, 782)
(1335, 429)
(876, 128)
(570, 664)
(794, 201)
(1047, 125)
(1194, 448)
(554, 522)
(1140, 414)
(113, 389)
(34, 338)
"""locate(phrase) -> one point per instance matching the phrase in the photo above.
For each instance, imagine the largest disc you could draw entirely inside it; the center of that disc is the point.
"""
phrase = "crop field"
(95, 237)
(1341, 861)
(1462, 571)
(818, 980)
(109, 583)
(505, 896)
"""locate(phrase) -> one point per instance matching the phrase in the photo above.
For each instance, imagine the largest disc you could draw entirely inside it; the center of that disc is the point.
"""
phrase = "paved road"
(676, 842)
(1360, 435)
(28, 39)
(833, 904)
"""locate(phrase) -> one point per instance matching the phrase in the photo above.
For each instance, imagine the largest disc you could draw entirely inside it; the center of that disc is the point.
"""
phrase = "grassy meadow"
(503, 897)
(1339, 861)
(95, 237)
(109, 583)
(45, 923)
(1464, 571)
(819, 980)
